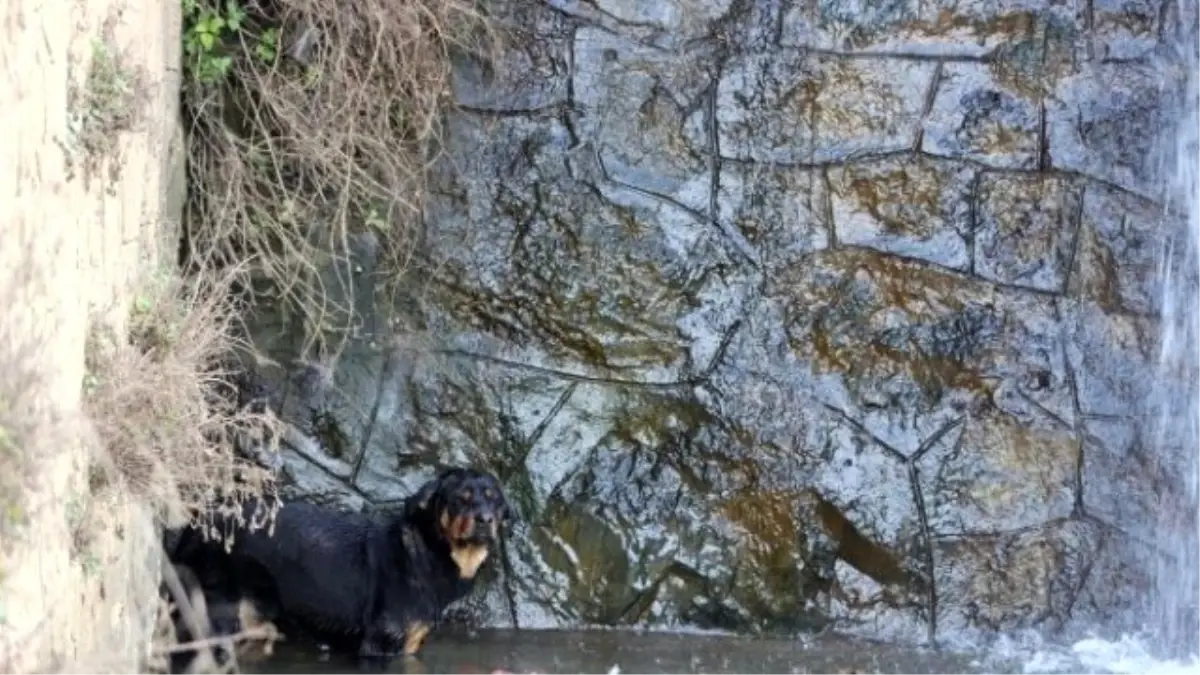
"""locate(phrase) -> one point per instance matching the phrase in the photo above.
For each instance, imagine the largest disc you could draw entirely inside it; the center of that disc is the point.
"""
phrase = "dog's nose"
(486, 518)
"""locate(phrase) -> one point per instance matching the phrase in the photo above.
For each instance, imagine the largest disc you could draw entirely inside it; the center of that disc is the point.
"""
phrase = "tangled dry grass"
(168, 410)
(109, 102)
(176, 433)
(311, 121)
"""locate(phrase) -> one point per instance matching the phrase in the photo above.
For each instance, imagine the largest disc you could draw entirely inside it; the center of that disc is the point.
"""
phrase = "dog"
(199, 621)
(372, 585)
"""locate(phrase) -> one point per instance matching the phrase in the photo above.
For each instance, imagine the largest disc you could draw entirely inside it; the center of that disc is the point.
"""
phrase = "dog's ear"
(421, 500)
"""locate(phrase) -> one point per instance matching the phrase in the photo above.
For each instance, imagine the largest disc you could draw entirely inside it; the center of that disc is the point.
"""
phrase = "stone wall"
(777, 315)
(72, 252)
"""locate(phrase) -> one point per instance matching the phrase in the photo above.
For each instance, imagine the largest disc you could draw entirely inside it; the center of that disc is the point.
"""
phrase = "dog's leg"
(373, 633)
(415, 633)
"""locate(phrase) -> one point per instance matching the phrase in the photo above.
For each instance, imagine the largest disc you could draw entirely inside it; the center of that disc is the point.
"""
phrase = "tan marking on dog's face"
(415, 633)
(456, 527)
(468, 557)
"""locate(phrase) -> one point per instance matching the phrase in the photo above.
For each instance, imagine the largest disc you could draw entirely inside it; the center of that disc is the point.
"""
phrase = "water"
(1172, 610)
(616, 651)
(1169, 641)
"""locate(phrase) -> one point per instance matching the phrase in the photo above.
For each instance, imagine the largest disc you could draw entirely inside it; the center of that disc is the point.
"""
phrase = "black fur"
(357, 582)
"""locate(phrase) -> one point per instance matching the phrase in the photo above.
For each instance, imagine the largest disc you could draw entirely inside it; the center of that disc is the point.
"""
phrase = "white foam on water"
(1126, 656)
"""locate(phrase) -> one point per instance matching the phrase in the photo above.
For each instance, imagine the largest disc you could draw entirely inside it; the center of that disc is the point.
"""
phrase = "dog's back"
(311, 565)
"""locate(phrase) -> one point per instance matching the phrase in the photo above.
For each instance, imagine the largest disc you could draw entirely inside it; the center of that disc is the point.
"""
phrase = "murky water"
(602, 651)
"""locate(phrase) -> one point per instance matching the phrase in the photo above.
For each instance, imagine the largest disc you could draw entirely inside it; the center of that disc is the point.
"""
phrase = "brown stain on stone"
(1011, 26)
(1010, 575)
(948, 24)
(1035, 218)
(1096, 275)
(570, 327)
(918, 291)
(1020, 462)
(864, 555)
(589, 552)
(892, 197)
(993, 137)
(838, 102)
(649, 418)
(770, 518)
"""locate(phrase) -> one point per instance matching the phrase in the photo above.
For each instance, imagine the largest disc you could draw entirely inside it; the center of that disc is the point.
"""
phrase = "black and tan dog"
(375, 586)
(201, 620)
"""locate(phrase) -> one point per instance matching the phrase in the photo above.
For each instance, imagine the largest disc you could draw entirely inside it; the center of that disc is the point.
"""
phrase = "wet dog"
(373, 585)
(201, 622)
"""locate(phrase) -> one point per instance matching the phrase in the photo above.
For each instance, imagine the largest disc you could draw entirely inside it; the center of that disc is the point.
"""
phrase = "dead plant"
(166, 409)
(108, 102)
(311, 122)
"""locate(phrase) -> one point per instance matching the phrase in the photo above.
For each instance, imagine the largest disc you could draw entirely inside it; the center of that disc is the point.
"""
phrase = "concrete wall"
(72, 254)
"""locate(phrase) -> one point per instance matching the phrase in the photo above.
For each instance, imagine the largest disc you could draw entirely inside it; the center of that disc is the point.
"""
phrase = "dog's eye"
(465, 495)
(489, 493)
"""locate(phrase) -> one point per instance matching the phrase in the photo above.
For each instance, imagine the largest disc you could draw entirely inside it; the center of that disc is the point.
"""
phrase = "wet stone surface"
(976, 116)
(915, 207)
(779, 316)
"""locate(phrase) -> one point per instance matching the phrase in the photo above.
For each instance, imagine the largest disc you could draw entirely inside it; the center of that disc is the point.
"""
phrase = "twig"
(182, 600)
(257, 633)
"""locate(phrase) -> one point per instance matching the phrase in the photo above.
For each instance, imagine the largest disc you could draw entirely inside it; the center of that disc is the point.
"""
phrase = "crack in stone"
(567, 375)
(730, 232)
(930, 98)
(722, 348)
(1073, 385)
(914, 477)
(544, 423)
(384, 373)
(887, 448)
(1076, 239)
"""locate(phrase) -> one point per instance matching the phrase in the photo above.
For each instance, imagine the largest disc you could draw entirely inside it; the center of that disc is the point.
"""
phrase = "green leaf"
(234, 15)
(207, 40)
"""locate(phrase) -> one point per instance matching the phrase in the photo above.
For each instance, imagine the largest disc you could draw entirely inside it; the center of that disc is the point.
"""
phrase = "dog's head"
(468, 511)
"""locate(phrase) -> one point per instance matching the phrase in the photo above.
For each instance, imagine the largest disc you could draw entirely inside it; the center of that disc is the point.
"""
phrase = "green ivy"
(208, 28)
